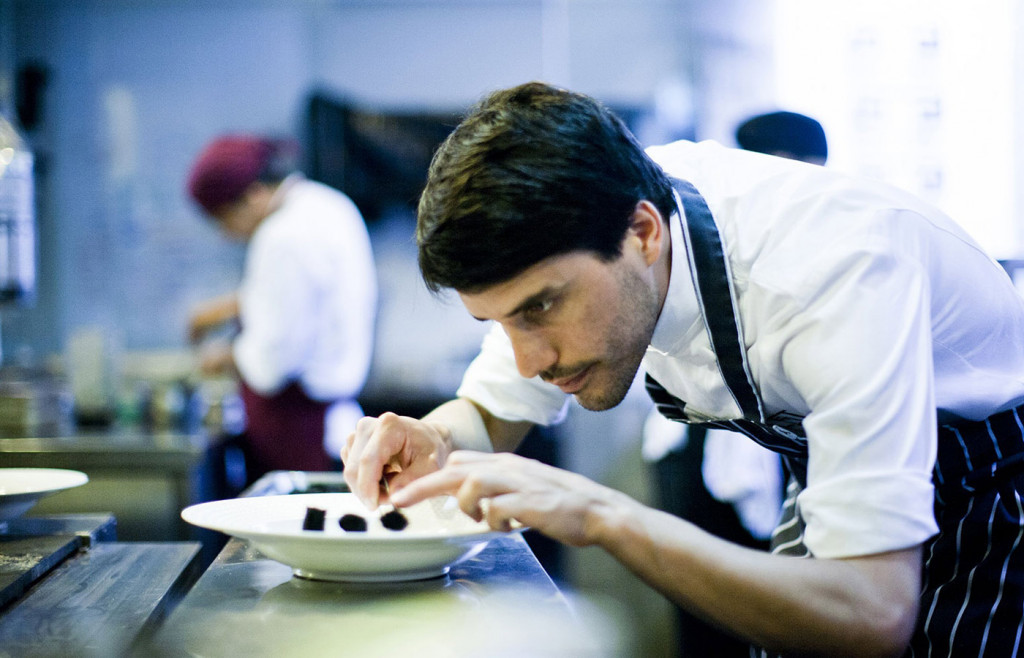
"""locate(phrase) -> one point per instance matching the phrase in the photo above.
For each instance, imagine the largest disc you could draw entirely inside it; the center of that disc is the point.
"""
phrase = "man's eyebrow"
(533, 299)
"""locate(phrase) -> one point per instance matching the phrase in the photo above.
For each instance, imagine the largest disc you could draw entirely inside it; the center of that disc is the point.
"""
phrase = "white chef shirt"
(862, 308)
(308, 302)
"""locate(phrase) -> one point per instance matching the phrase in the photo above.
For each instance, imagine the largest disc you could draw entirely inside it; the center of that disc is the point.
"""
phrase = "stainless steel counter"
(498, 603)
(115, 448)
(109, 598)
(71, 590)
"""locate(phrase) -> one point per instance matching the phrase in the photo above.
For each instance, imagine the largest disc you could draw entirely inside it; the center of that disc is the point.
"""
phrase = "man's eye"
(540, 307)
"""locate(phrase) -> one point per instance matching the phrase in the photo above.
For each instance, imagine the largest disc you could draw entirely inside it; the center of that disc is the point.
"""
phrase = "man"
(846, 325)
(306, 305)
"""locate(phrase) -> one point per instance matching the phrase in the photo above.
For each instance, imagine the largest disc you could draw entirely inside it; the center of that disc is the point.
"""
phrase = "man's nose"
(534, 352)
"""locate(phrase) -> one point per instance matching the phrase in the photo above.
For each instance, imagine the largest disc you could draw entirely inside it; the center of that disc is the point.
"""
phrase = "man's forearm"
(471, 427)
(213, 314)
(461, 424)
(859, 606)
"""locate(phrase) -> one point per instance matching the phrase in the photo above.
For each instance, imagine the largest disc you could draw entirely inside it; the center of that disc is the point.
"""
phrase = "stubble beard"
(626, 344)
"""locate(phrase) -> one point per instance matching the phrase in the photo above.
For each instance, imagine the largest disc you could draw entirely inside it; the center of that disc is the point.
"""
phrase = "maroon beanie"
(226, 168)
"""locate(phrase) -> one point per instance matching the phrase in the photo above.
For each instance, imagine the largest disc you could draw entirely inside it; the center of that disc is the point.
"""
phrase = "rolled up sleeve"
(492, 381)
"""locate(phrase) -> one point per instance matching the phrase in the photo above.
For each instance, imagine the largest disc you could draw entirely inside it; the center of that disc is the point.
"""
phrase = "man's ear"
(648, 228)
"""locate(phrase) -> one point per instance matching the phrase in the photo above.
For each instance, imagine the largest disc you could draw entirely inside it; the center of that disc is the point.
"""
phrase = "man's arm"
(864, 606)
(212, 314)
(471, 427)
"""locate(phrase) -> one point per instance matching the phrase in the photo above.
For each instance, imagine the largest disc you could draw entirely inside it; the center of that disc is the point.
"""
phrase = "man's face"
(579, 322)
(240, 218)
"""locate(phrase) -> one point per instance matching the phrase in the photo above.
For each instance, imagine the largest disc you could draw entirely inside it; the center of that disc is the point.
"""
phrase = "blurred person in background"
(719, 480)
(305, 311)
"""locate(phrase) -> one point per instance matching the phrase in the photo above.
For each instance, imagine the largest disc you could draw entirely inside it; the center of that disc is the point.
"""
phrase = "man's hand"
(210, 315)
(216, 359)
(404, 448)
(500, 488)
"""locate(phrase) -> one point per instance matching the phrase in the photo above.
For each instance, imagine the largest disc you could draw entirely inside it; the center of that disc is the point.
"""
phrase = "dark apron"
(284, 431)
(973, 598)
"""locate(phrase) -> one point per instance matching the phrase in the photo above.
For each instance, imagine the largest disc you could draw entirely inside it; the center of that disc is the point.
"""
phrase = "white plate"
(21, 488)
(438, 536)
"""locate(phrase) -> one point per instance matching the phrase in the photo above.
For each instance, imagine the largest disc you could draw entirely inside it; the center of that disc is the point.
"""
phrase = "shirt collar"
(283, 188)
(681, 311)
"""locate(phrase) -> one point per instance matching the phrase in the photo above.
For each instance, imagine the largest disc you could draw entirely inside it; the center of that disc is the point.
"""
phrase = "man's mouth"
(573, 383)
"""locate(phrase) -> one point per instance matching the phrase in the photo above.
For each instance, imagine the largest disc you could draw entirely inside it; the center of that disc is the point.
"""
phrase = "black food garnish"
(352, 523)
(394, 520)
(314, 519)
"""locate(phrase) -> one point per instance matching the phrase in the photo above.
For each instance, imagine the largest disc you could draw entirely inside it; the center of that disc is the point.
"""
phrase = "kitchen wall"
(135, 88)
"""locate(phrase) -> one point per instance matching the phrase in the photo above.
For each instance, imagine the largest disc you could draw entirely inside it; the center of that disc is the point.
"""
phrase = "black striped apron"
(972, 603)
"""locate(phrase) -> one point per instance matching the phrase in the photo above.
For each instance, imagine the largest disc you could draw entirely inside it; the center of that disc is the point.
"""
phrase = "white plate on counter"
(21, 488)
(437, 536)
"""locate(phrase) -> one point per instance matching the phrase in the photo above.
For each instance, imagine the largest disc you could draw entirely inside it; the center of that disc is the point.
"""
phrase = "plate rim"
(484, 533)
(75, 478)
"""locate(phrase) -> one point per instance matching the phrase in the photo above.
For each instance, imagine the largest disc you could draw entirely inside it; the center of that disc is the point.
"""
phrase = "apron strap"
(710, 270)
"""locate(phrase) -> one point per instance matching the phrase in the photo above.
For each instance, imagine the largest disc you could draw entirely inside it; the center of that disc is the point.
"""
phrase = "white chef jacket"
(308, 302)
(862, 309)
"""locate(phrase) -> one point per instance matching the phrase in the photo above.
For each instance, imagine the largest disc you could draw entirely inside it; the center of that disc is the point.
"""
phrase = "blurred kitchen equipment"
(17, 215)
(33, 403)
(162, 390)
(93, 371)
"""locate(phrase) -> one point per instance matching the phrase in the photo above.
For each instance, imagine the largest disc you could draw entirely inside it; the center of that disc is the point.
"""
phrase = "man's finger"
(411, 473)
(471, 457)
(445, 481)
(353, 451)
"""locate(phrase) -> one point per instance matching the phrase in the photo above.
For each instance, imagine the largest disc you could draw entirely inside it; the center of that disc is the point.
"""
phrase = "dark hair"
(532, 172)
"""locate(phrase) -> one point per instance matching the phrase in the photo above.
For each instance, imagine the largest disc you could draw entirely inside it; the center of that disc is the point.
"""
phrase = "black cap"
(797, 135)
